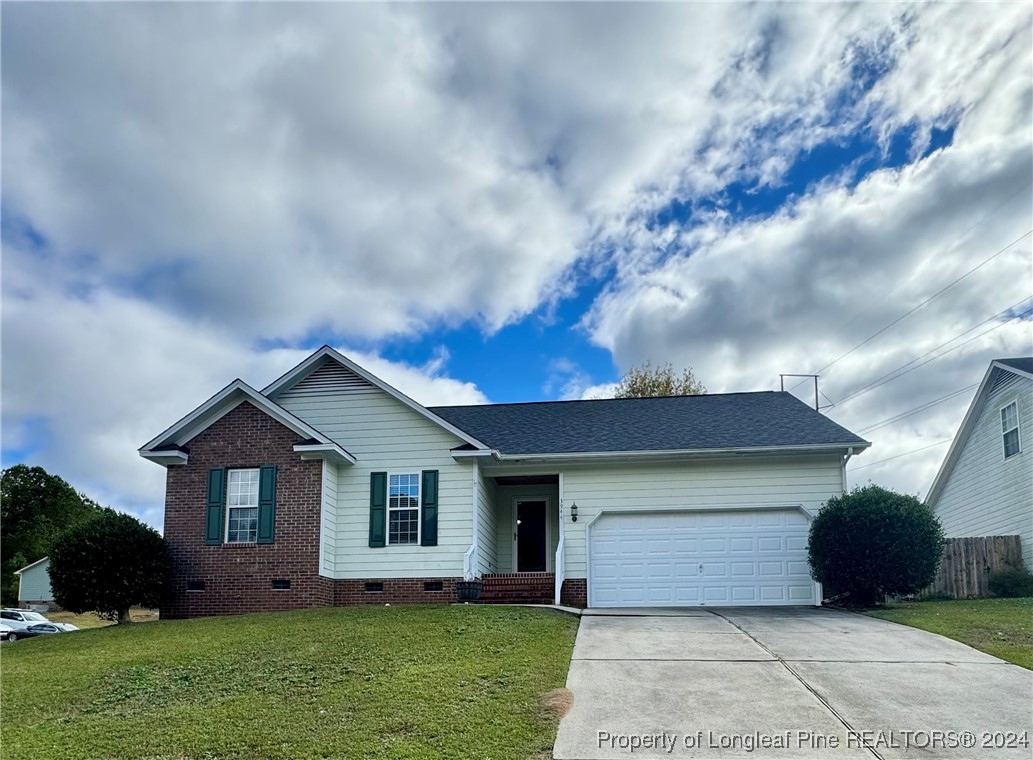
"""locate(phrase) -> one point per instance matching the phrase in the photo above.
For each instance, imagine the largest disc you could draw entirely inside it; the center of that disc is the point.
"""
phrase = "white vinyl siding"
(487, 557)
(328, 527)
(701, 485)
(504, 496)
(34, 584)
(986, 494)
(386, 436)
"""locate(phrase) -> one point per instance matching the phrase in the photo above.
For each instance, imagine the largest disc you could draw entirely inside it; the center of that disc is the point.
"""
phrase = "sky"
(508, 203)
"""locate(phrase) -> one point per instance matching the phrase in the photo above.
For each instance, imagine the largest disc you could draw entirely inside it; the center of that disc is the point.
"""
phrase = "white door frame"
(549, 560)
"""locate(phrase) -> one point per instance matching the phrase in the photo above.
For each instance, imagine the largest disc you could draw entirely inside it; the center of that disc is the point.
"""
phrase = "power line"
(893, 375)
(906, 314)
(898, 456)
(951, 340)
(903, 415)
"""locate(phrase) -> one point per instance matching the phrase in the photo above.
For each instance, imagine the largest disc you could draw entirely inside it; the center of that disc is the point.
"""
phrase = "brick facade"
(238, 578)
(574, 592)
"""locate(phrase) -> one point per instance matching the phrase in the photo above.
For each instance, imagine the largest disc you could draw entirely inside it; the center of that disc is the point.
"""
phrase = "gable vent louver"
(329, 379)
(1003, 378)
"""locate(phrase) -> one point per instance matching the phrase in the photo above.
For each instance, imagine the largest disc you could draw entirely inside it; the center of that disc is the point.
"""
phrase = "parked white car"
(20, 619)
(7, 633)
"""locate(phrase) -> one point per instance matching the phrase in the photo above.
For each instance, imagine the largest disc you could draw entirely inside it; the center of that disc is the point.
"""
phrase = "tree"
(872, 542)
(647, 380)
(35, 507)
(108, 564)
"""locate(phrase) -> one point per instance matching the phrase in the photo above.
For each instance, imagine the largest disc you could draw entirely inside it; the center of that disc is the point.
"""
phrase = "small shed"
(34, 585)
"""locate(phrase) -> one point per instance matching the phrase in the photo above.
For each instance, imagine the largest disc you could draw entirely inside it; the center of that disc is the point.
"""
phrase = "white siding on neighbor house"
(986, 494)
(34, 584)
(328, 526)
(486, 550)
(808, 481)
(385, 435)
(504, 496)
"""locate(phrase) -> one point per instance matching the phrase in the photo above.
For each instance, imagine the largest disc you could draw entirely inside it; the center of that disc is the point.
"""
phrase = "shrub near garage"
(874, 542)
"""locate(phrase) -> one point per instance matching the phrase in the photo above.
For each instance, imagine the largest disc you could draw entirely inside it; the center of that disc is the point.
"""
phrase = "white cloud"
(106, 373)
(210, 179)
(743, 300)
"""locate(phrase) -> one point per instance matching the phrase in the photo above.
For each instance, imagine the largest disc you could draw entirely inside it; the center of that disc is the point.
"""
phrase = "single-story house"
(34, 585)
(330, 487)
(985, 485)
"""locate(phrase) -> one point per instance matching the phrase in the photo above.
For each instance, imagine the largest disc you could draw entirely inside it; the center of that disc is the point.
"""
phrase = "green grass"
(1001, 627)
(400, 682)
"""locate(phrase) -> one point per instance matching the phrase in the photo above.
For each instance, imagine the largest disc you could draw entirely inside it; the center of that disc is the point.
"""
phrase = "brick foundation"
(239, 578)
(574, 592)
(394, 591)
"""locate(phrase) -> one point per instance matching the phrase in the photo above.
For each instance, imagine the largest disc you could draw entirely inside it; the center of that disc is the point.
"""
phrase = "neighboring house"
(985, 484)
(34, 585)
(330, 487)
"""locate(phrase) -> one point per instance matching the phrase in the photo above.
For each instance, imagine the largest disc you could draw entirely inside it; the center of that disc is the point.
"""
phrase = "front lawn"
(1001, 627)
(404, 682)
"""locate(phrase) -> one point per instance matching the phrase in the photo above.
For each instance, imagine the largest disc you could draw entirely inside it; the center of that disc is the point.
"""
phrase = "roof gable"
(167, 447)
(318, 372)
(997, 372)
(32, 565)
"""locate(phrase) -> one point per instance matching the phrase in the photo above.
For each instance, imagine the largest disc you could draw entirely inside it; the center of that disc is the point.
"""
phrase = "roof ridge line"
(589, 400)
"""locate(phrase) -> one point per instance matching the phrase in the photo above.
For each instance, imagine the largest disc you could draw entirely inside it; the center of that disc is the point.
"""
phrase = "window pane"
(1011, 443)
(1009, 417)
(403, 526)
(242, 489)
(243, 526)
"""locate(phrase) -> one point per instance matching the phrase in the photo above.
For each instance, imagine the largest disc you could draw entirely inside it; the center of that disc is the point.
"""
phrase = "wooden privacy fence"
(968, 563)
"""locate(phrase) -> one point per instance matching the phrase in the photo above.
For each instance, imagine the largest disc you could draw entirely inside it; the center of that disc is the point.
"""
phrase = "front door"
(531, 536)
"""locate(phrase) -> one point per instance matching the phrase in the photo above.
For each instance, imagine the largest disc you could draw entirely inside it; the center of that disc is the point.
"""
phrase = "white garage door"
(732, 557)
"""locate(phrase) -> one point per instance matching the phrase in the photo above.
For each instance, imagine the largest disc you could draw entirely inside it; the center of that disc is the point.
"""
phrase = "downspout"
(472, 557)
(849, 453)
(558, 565)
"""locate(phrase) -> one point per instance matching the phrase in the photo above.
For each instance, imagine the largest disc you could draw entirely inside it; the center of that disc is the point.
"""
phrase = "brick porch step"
(518, 588)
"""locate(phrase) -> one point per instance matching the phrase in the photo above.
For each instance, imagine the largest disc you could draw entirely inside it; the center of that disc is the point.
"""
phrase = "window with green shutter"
(216, 499)
(377, 508)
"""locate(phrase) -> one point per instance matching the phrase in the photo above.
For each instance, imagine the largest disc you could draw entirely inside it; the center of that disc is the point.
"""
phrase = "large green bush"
(873, 542)
(108, 564)
(1011, 582)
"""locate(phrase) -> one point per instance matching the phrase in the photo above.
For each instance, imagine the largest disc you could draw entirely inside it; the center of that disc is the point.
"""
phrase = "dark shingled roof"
(1021, 363)
(718, 421)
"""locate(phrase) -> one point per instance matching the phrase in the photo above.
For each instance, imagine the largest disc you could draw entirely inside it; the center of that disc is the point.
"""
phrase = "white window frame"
(228, 508)
(419, 509)
(1017, 429)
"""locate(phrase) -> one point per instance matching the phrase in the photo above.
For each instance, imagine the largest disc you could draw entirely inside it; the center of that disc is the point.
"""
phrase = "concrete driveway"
(786, 683)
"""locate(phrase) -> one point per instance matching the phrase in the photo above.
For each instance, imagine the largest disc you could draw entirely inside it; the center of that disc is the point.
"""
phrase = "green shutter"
(266, 503)
(377, 508)
(216, 499)
(429, 508)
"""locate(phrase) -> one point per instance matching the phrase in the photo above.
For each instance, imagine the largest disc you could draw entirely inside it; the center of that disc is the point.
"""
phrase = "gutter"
(852, 448)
